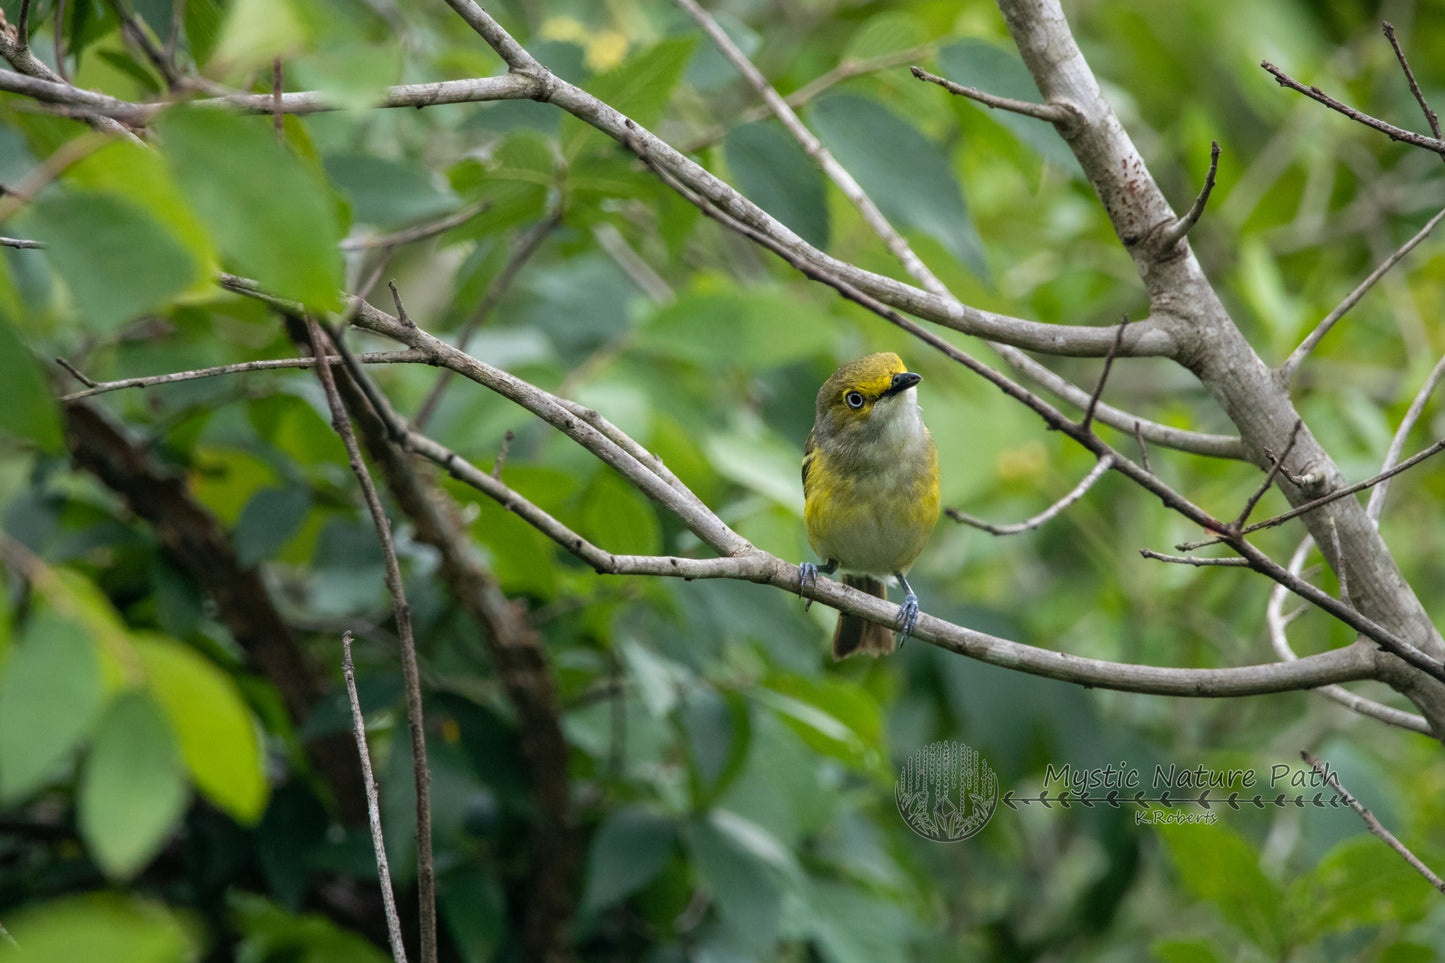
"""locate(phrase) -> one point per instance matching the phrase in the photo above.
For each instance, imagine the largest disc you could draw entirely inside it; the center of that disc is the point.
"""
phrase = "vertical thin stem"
(425, 869)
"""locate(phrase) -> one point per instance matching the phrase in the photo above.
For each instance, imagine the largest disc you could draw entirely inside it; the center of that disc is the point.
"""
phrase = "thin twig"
(1095, 473)
(1435, 145)
(22, 27)
(278, 119)
(373, 804)
(59, 32)
(1180, 227)
(22, 243)
(1371, 823)
(1406, 465)
(1376, 504)
(1430, 116)
(418, 233)
(267, 364)
(805, 94)
(1277, 464)
(425, 869)
(1050, 113)
(1088, 418)
(820, 154)
(400, 309)
(1292, 363)
(1193, 560)
(75, 373)
(502, 454)
(1143, 448)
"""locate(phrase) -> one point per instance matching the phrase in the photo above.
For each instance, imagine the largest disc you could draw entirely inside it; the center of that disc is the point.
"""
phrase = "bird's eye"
(854, 399)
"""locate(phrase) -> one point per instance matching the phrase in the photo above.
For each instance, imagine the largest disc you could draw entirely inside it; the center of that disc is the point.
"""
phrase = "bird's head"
(863, 397)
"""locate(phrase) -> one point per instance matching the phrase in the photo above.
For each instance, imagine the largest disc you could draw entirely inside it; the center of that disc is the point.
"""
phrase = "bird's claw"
(907, 618)
(807, 574)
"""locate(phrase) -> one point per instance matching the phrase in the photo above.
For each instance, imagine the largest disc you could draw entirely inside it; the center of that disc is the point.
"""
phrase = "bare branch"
(1291, 365)
(1376, 504)
(1371, 822)
(806, 93)
(1049, 113)
(821, 155)
(1079, 490)
(1433, 144)
(1143, 448)
(1274, 469)
(1352, 489)
(268, 364)
(1194, 560)
(1088, 418)
(21, 243)
(1430, 116)
(416, 722)
(1176, 232)
(418, 233)
(373, 804)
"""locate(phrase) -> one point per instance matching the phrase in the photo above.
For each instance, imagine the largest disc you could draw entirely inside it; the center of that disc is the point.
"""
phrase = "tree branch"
(1176, 232)
(1057, 114)
(1100, 467)
(1373, 824)
(1433, 144)
(416, 722)
(373, 804)
(1291, 364)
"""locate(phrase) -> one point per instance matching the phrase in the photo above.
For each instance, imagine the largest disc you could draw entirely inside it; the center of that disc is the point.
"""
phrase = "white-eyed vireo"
(870, 484)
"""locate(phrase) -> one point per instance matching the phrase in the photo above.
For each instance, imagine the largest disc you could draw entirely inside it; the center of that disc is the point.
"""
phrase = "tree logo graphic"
(946, 792)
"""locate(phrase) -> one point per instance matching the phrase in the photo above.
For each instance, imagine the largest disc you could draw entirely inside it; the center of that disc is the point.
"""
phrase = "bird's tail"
(855, 636)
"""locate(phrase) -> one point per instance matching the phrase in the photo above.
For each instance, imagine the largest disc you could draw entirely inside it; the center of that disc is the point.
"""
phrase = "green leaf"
(50, 695)
(270, 213)
(619, 518)
(883, 34)
(140, 175)
(474, 909)
(1217, 865)
(628, 851)
(774, 172)
(1361, 882)
(115, 258)
(1183, 951)
(719, 732)
(254, 33)
(27, 407)
(270, 933)
(133, 790)
(100, 926)
(218, 737)
(853, 927)
(907, 176)
(639, 87)
(387, 194)
(270, 519)
(744, 886)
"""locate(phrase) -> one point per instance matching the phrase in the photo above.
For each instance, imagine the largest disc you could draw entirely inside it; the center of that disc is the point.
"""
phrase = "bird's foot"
(807, 574)
(907, 617)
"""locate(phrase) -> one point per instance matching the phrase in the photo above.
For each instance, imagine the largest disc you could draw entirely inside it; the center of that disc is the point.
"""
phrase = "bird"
(871, 491)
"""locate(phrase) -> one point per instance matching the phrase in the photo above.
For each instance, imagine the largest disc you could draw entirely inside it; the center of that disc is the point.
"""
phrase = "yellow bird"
(870, 484)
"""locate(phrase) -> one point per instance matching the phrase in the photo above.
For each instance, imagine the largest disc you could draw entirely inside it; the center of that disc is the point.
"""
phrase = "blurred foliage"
(733, 786)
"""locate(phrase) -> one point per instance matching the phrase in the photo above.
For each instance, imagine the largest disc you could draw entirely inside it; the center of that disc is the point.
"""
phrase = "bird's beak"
(902, 382)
